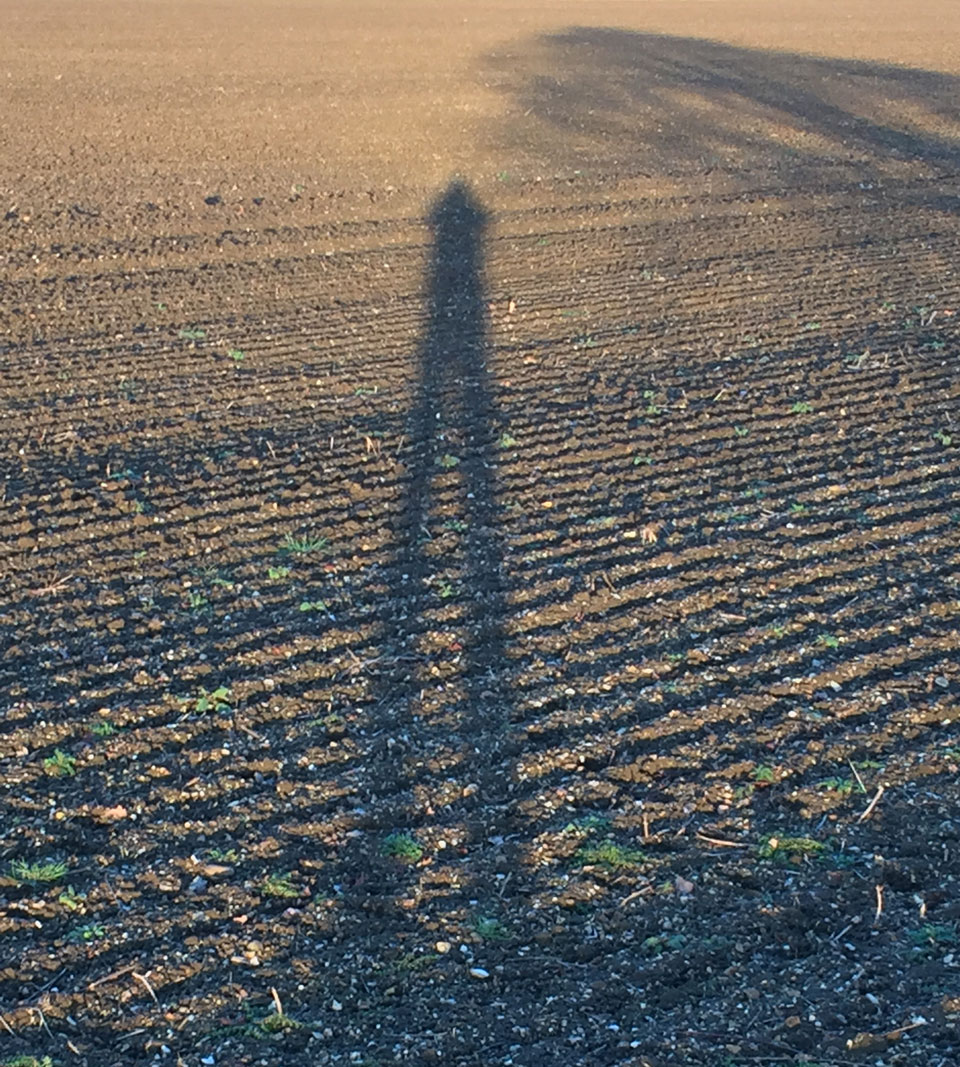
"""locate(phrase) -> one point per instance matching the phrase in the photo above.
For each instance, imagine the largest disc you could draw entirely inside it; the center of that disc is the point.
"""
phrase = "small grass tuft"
(216, 700)
(37, 873)
(660, 943)
(60, 764)
(71, 899)
(196, 601)
(411, 962)
(402, 847)
(302, 544)
(86, 933)
(279, 885)
(490, 929)
(221, 855)
(789, 849)
(931, 934)
(279, 1024)
(609, 855)
(313, 605)
(587, 824)
(841, 786)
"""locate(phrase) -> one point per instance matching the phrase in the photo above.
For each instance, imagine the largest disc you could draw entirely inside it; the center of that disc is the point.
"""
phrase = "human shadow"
(622, 710)
(455, 390)
(447, 591)
(657, 105)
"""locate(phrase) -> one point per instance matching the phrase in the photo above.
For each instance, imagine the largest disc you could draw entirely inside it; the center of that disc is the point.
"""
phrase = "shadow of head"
(456, 212)
(657, 104)
(455, 280)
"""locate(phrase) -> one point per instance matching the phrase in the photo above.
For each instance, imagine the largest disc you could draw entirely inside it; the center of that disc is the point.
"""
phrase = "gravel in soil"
(496, 621)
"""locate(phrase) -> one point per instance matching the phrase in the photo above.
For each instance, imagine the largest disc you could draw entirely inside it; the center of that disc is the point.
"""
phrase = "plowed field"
(479, 535)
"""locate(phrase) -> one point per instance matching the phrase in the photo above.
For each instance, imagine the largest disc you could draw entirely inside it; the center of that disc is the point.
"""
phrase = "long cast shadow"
(447, 570)
(653, 104)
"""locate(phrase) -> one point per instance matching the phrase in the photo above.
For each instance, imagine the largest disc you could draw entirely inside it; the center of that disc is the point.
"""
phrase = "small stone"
(198, 885)
(479, 972)
(443, 947)
(215, 870)
(864, 1042)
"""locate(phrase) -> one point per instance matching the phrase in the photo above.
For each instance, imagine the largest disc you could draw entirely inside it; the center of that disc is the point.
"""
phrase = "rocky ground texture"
(479, 534)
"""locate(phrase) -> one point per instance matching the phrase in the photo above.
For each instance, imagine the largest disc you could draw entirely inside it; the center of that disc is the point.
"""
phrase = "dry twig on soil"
(865, 814)
(719, 841)
(142, 979)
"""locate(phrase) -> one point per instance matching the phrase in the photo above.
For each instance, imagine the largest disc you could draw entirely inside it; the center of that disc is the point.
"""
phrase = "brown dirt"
(606, 355)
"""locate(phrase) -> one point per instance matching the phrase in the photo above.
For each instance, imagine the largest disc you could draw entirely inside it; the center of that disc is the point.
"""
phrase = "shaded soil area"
(498, 611)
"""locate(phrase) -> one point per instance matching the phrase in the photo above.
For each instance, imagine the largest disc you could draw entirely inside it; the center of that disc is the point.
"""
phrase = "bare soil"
(479, 534)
